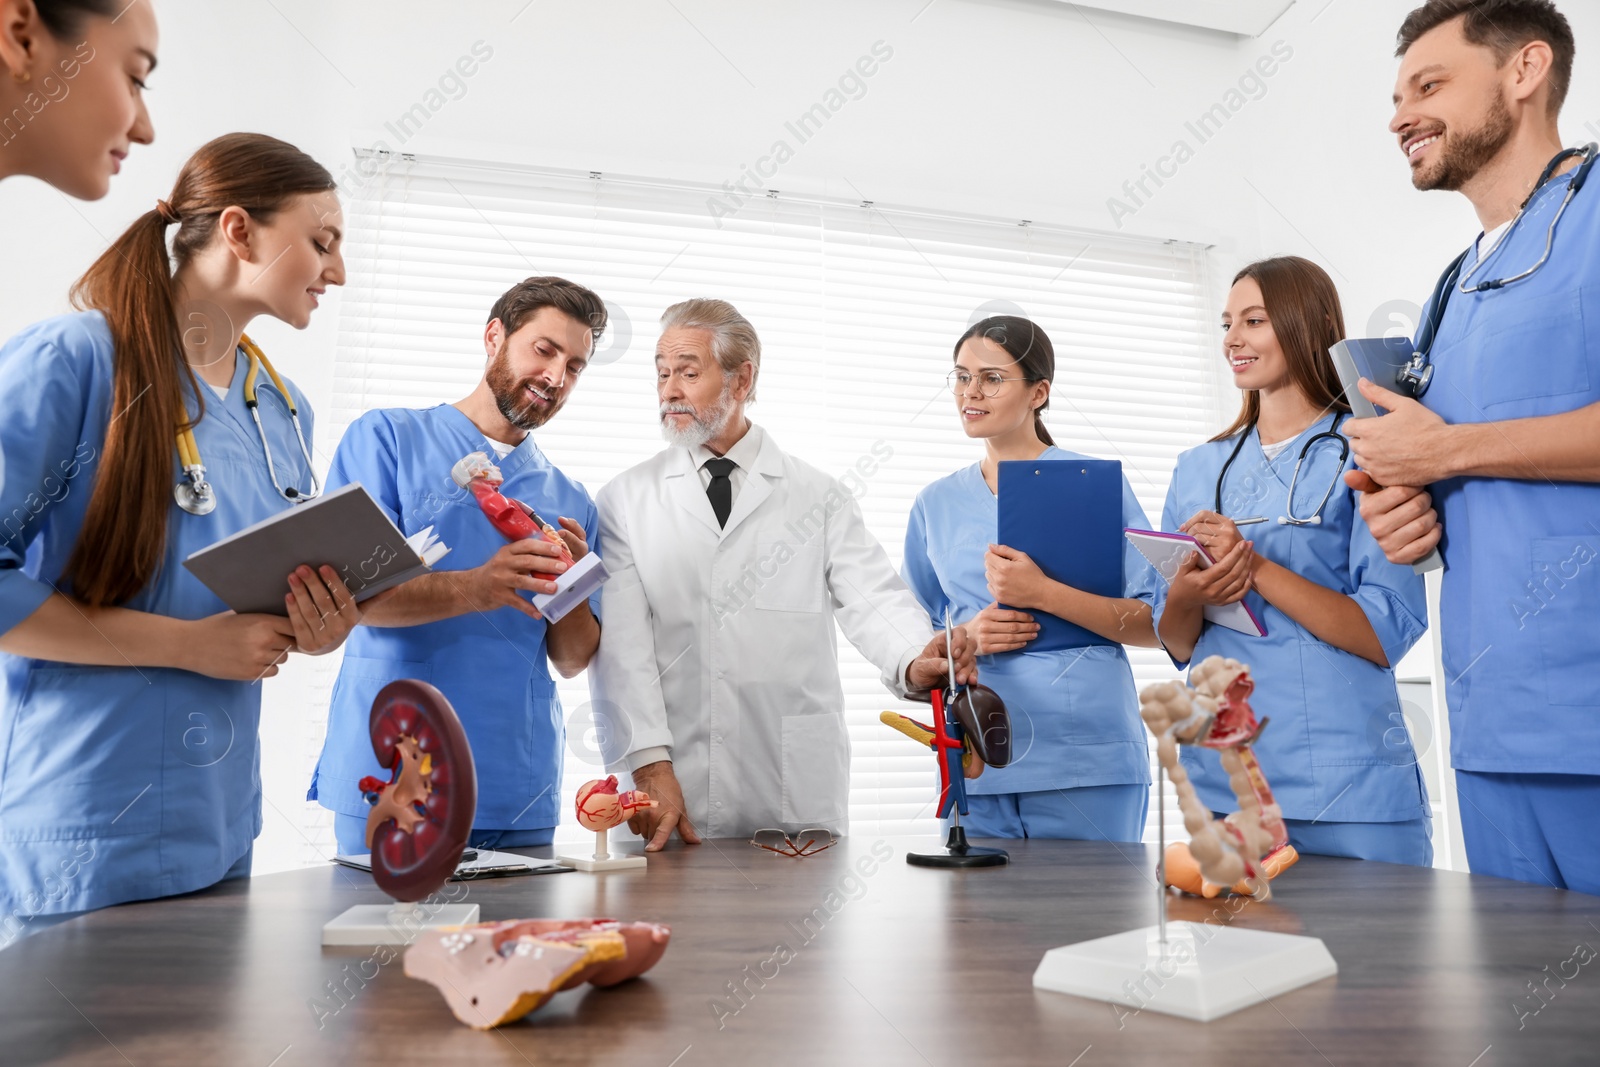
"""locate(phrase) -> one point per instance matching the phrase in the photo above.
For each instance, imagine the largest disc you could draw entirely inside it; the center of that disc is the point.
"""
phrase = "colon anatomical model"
(494, 973)
(1251, 846)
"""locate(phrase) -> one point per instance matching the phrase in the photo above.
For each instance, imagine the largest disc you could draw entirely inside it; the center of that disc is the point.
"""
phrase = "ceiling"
(1247, 18)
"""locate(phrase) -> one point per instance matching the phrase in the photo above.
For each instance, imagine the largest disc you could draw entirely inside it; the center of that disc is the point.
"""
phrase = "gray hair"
(733, 339)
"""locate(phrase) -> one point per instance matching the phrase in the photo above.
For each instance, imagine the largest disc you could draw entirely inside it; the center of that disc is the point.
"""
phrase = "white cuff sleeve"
(646, 756)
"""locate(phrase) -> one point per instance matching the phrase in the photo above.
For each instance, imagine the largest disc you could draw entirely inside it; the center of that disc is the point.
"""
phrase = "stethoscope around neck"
(1289, 518)
(1414, 378)
(194, 492)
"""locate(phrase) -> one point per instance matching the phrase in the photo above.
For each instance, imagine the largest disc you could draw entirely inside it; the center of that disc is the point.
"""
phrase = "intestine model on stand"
(1251, 846)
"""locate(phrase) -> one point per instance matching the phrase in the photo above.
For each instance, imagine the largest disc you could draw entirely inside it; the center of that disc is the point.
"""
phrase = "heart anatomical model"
(601, 807)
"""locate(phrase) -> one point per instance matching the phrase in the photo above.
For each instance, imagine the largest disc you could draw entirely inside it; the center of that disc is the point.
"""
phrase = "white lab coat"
(718, 646)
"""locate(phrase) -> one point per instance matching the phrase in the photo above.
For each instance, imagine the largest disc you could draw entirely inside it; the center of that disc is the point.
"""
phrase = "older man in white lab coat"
(730, 563)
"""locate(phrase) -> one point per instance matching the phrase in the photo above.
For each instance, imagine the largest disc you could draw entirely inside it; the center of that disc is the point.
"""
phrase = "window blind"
(858, 308)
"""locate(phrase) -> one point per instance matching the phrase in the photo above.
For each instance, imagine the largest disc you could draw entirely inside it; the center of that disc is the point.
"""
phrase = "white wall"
(1018, 108)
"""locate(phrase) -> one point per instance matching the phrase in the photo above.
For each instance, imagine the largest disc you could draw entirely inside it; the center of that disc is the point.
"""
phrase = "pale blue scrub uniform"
(1080, 766)
(120, 783)
(492, 666)
(1520, 604)
(1335, 753)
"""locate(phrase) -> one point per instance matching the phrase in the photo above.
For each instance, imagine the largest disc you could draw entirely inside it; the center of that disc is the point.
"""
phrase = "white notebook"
(345, 529)
(1166, 552)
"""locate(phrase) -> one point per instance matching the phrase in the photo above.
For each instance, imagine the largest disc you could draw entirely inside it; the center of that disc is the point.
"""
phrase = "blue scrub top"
(119, 783)
(492, 666)
(1074, 713)
(1520, 602)
(1332, 752)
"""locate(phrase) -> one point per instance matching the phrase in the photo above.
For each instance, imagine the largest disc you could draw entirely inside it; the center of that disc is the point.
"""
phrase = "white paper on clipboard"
(1166, 552)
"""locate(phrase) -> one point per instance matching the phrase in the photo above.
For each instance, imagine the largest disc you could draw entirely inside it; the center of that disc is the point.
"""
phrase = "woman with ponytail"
(72, 78)
(1081, 768)
(129, 700)
(1267, 499)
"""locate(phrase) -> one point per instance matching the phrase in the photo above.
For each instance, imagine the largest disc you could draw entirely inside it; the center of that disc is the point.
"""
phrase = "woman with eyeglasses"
(1338, 615)
(129, 695)
(1080, 767)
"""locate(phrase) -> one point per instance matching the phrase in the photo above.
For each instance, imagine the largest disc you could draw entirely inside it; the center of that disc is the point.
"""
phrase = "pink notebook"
(1166, 551)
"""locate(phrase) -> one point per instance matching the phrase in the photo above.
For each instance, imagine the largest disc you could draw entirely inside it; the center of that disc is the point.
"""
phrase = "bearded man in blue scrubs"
(469, 628)
(1498, 463)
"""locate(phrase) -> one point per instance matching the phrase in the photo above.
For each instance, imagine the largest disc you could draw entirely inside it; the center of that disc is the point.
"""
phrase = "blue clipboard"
(1066, 514)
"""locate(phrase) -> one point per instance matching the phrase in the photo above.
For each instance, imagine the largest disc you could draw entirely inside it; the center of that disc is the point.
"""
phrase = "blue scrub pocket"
(1527, 351)
(85, 758)
(1566, 573)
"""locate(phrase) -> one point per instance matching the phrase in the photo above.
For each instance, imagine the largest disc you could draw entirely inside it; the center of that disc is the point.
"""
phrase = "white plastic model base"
(602, 860)
(1204, 973)
(572, 588)
(394, 924)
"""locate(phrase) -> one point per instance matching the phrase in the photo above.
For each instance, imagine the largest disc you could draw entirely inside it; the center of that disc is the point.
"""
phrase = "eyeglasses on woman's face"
(989, 382)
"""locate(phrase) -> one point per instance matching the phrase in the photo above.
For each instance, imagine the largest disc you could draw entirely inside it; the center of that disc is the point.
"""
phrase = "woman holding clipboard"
(129, 695)
(1081, 768)
(1338, 615)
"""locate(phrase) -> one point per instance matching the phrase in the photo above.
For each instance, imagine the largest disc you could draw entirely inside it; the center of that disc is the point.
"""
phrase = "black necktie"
(720, 491)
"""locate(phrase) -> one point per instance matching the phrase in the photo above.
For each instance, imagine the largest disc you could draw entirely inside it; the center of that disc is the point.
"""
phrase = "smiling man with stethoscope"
(1505, 434)
(468, 627)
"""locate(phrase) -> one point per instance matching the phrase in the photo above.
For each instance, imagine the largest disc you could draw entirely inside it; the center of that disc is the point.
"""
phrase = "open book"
(345, 529)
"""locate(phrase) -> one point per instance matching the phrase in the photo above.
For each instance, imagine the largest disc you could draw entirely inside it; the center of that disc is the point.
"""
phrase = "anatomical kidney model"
(420, 818)
(493, 973)
(1251, 846)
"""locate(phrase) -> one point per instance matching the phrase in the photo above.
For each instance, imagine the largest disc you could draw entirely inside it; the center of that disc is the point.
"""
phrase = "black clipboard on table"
(1066, 514)
(476, 863)
(345, 529)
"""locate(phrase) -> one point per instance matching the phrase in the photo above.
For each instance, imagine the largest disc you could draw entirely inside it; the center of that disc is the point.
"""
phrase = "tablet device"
(1380, 360)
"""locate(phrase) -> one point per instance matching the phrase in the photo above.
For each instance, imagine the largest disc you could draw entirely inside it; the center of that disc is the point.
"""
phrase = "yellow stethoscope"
(194, 493)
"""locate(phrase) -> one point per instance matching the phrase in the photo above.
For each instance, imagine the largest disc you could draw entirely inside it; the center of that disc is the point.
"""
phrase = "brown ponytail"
(123, 540)
(1026, 343)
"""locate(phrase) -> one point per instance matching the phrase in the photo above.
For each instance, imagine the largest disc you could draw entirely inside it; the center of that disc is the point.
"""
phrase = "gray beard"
(705, 425)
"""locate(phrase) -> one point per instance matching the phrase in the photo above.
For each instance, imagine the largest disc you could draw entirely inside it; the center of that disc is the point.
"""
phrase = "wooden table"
(883, 964)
